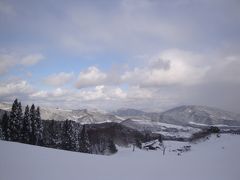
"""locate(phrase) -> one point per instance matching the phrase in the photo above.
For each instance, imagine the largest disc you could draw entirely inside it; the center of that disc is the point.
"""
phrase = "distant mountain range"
(84, 116)
(180, 123)
(192, 116)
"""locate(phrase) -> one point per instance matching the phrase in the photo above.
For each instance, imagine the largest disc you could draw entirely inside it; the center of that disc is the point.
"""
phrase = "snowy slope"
(217, 158)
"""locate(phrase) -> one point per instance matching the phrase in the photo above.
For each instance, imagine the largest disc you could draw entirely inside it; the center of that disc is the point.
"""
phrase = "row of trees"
(26, 128)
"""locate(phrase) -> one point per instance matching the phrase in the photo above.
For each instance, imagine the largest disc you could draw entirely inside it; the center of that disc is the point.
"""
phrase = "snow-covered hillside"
(191, 115)
(188, 115)
(217, 158)
(167, 130)
(131, 113)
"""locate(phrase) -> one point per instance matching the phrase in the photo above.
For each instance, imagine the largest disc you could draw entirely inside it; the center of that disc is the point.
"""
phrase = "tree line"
(28, 127)
(22, 127)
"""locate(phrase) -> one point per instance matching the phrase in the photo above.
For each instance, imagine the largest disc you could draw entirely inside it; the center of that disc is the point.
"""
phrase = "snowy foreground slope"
(217, 158)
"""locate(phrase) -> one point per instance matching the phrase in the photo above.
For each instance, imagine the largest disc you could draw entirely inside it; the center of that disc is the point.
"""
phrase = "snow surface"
(217, 125)
(169, 130)
(214, 159)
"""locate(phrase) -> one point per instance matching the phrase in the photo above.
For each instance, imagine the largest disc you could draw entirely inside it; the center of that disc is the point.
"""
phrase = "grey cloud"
(180, 67)
(225, 70)
(9, 59)
(222, 95)
(209, 29)
(160, 64)
(127, 26)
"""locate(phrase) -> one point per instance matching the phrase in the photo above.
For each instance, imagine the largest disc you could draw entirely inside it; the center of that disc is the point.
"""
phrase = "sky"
(145, 54)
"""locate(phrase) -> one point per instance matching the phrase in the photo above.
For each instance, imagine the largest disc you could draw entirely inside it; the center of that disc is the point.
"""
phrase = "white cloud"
(91, 77)
(13, 89)
(119, 93)
(168, 68)
(6, 62)
(98, 93)
(9, 60)
(59, 79)
(39, 94)
(55, 94)
(101, 92)
(92, 94)
(135, 92)
(31, 59)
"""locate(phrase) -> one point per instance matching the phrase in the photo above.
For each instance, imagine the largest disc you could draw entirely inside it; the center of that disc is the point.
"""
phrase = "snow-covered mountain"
(181, 122)
(130, 113)
(191, 115)
(185, 116)
(199, 116)
(85, 116)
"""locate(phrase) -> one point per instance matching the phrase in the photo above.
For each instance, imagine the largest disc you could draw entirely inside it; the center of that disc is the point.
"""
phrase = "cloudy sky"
(144, 54)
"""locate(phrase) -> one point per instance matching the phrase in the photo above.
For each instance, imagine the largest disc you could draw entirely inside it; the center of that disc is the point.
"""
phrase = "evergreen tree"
(27, 128)
(112, 147)
(68, 139)
(20, 121)
(5, 126)
(15, 118)
(33, 124)
(39, 127)
(53, 137)
(84, 144)
(138, 144)
(1, 133)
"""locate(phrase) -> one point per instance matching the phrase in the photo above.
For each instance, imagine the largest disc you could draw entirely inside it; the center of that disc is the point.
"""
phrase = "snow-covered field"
(168, 130)
(214, 159)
